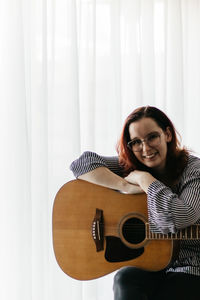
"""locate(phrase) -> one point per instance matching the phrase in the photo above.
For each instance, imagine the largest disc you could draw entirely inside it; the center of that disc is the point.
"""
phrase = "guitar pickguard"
(116, 251)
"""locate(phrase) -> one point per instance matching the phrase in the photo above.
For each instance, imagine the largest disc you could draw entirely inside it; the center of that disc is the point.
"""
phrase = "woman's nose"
(145, 146)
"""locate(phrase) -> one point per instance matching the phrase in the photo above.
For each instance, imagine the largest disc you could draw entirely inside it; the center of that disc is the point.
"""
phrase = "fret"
(146, 230)
(173, 236)
(189, 232)
(149, 232)
(193, 232)
(183, 233)
(178, 235)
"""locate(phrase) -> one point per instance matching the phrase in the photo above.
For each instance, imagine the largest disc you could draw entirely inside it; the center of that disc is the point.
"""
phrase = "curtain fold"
(70, 72)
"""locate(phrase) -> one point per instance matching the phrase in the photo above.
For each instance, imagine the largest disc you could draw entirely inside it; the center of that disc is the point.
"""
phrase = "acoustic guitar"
(97, 230)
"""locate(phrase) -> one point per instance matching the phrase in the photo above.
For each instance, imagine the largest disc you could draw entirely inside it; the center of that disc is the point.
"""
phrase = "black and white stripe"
(169, 210)
(89, 161)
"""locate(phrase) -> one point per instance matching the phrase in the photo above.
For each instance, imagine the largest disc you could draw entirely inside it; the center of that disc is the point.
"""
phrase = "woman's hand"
(131, 188)
(134, 177)
(140, 178)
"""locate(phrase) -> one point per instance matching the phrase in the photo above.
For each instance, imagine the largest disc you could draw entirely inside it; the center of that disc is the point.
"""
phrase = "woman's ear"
(168, 134)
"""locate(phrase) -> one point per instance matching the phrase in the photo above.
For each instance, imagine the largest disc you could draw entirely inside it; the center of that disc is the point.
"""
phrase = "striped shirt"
(168, 210)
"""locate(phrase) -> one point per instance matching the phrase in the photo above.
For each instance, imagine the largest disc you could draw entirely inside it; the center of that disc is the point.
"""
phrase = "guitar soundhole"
(133, 230)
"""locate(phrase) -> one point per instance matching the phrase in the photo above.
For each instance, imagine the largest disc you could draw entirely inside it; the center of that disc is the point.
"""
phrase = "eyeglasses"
(153, 139)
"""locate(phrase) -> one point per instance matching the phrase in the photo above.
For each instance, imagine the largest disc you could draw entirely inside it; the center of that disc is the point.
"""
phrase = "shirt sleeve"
(89, 161)
(168, 211)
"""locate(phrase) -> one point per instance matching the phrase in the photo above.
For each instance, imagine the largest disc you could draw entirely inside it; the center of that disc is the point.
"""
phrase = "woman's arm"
(89, 161)
(141, 178)
(103, 176)
(170, 211)
(104, 171)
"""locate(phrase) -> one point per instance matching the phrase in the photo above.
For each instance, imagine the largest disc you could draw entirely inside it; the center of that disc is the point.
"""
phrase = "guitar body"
(74, 234)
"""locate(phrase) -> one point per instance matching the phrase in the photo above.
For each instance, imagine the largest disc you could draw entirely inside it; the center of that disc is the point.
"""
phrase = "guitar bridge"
(98, 230)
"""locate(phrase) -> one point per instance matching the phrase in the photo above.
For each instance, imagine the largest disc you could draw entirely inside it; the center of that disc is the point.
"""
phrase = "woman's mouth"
(150, 156)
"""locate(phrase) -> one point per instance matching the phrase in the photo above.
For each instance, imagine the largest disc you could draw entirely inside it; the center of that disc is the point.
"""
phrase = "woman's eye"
(136, 142)
(153, 136)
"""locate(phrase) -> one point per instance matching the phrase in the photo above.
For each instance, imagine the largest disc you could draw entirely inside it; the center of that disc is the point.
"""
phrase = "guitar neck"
(189, 233)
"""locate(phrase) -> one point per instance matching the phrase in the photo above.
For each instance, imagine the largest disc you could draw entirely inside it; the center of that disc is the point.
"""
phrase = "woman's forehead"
(143, 127)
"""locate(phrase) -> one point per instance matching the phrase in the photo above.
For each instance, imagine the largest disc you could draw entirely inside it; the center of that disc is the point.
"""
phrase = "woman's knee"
(125, 285)
(136, 280)
(125, 276)
(120, 277)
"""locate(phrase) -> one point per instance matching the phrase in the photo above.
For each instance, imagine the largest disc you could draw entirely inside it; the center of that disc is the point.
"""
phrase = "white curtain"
(70, 72)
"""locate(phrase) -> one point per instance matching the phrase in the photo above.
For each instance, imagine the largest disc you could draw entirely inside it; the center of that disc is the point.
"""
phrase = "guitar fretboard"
(189, 233)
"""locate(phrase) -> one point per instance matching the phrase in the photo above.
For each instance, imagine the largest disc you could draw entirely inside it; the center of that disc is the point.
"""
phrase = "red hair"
(176, 157)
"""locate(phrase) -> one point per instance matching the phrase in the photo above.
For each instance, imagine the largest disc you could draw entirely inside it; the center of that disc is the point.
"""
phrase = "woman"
(151, 160)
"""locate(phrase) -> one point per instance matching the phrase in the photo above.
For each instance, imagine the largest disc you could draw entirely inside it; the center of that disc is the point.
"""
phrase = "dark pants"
(134, 284)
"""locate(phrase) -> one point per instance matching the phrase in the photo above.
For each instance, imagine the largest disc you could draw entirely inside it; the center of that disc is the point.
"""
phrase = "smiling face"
(151, 156)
